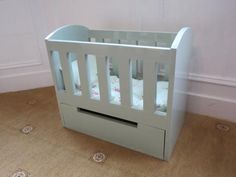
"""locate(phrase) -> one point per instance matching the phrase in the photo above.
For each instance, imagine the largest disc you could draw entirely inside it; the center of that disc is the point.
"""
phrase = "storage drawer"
(135, 136)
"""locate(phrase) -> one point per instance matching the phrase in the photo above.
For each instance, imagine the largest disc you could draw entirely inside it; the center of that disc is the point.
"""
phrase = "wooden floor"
(53, 151)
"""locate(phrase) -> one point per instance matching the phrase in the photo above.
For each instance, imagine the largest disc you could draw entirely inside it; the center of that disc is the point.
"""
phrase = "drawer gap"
(108, 117)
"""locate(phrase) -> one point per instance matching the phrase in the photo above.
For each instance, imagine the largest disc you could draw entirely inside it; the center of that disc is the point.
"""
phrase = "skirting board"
(212, 96)
(212, 106)
(25, 81)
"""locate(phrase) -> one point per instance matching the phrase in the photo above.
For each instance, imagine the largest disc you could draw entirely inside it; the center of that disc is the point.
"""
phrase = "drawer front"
(135, 136)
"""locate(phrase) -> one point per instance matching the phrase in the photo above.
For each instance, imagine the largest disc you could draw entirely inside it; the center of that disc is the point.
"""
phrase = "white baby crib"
(125, 87)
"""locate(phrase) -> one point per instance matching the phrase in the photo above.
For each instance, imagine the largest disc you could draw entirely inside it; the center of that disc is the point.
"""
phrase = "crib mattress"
(161, 92)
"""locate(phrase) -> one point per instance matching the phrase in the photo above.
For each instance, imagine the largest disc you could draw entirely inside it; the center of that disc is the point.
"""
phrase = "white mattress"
(161, 96)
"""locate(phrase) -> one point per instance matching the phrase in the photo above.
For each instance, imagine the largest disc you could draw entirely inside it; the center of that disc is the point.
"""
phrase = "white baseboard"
(25, 81)
(212, 106)
(212, 96)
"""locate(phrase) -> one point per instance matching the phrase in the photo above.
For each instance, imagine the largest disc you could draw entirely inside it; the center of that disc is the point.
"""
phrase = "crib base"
(132, 135)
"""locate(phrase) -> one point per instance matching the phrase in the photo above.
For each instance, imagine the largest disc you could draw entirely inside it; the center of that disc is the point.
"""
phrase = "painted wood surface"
(105, 44)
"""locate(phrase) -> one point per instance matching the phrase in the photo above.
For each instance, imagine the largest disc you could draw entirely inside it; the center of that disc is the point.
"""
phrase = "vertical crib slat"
(66, 72)
(103, 71)
(84, 77)
(125, 82)
(149, 84)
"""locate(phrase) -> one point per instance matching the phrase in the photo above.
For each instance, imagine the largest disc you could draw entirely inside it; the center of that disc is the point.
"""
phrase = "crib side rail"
(161, 39)
(123, 56)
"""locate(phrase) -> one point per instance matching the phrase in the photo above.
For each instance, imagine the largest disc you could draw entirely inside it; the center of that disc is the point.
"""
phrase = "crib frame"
(142, 130)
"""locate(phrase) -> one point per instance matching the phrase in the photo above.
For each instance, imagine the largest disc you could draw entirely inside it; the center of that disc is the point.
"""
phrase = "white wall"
(23, 61)
(213, 66)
